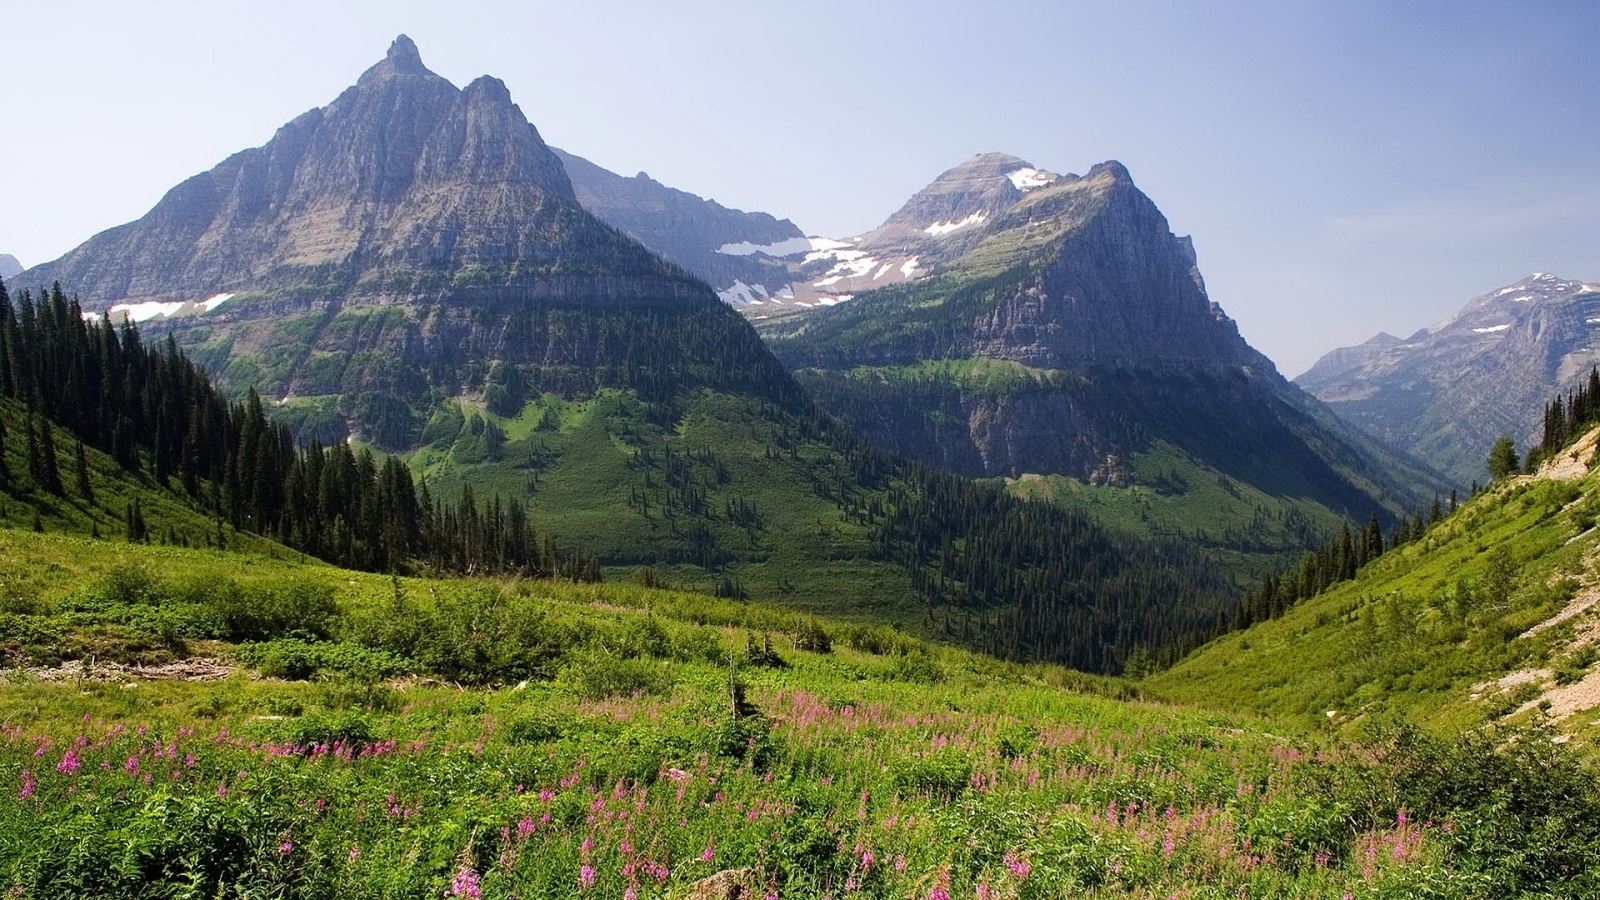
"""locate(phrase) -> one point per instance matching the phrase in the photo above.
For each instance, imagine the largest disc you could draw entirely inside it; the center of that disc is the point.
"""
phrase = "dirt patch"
(1566, 700)
(1573, 463)
(196, 669)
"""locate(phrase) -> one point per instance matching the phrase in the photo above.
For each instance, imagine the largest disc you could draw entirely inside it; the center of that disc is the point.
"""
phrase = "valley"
(405, 507)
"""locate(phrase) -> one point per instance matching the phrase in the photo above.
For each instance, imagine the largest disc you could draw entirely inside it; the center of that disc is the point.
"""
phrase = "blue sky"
(1344, 168)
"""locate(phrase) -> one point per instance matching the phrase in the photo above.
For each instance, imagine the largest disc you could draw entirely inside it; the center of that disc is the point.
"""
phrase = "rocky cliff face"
(1448, 391)
(387, 249)
(403, 177)
(1071, 333)
(9, 267)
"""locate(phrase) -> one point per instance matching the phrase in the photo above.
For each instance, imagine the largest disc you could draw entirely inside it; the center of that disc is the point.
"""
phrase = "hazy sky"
(1343, 167)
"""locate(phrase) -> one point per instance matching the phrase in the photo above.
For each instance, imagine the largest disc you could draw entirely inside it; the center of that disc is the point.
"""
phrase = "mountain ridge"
(1447, 391)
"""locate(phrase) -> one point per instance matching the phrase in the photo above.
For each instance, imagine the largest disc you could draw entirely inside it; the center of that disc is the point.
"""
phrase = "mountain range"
(410, 268)
(1446, 392)
(1049, 330)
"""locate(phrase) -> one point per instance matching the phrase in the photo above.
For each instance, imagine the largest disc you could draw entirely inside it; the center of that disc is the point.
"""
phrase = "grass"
(630, 742)
(1420, 629)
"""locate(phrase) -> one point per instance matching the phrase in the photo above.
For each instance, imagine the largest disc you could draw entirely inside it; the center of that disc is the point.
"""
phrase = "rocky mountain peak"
(403, 58)
(402, 169)
(1446, 392)
(959, 199)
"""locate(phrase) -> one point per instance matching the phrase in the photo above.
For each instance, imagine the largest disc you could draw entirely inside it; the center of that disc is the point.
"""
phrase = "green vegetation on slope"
(632, 761)
(1433, 631)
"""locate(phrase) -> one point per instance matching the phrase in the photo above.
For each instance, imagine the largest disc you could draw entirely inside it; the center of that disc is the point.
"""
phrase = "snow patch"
(835, 299)
(909, 267)
(788, 247)
(939, 229)
(1028, 179)
(834, 253)
(1522, 299)
(741, 294)
(161, 311)
(883, 271)
(1492, 329)
(1591, 321)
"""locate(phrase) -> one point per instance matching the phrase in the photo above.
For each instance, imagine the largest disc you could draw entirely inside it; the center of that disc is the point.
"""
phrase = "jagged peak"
(1110, 169)
(488, 88)
(404, 57)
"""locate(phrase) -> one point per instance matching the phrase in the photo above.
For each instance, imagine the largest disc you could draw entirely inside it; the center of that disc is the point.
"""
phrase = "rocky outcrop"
(1448, 391)
(404, 178)
(9, 267)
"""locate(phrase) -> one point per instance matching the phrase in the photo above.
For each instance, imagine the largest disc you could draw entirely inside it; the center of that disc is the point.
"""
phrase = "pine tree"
(1503, 460)
(85, 488)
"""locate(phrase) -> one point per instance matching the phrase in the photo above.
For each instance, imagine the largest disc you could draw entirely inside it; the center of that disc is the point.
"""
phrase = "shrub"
(813, 638)
(599, 675)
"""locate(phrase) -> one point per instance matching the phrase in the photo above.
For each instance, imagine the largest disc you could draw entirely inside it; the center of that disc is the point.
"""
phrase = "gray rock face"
(9, 267)
(403, 176)
(687, 230)
(1111, 342)
(1448, 391)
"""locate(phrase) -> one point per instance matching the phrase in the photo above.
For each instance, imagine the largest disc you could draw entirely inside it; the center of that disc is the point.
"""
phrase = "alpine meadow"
(407, 508)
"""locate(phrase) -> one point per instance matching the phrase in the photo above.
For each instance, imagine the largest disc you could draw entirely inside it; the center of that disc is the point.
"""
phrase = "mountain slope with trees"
(406, 269)
(1072, 348)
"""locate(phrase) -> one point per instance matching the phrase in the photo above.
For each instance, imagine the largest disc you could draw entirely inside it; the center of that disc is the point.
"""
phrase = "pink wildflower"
(69, 763)
(586, 877)
(708, 854)
(465, 884)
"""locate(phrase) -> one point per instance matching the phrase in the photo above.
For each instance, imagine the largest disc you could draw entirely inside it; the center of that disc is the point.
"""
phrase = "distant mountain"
(1446, 392)
(767, 268)
(1066, 340)
(727, 248)
(409, 267)
(9, 267)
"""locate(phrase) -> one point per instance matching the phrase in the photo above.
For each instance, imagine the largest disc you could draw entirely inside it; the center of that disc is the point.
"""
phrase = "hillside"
(1446, 392)
(263, 727)
(1491, 615)
(1071, 348)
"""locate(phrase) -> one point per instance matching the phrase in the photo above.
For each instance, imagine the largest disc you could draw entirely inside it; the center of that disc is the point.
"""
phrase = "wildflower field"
(477, 739)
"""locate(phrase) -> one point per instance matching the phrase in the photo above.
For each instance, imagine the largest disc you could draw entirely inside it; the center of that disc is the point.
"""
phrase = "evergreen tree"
(85, 488)
(1503, 460)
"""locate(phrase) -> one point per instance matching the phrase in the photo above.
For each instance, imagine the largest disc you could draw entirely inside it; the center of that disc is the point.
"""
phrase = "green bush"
(599, 675)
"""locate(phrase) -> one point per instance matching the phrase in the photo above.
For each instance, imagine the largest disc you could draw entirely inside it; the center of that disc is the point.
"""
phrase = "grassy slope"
(579, 474)
(169, 516)
(881, 774)
(1418, 629)
(1248, 532)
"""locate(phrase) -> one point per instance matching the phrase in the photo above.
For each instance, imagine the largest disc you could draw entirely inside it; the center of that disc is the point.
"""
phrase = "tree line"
(159, 417)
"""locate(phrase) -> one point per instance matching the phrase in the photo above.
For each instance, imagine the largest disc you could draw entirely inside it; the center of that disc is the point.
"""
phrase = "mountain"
(409, 268)
(768, 269)
(1446, 392)
(1069, 344)
(9, 267)
(734, 250)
